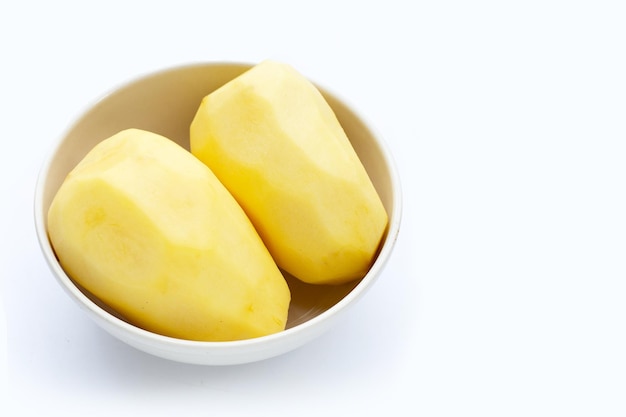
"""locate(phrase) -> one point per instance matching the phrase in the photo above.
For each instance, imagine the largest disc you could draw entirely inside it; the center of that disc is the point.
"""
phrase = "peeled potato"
(275, 143)
(149, 230)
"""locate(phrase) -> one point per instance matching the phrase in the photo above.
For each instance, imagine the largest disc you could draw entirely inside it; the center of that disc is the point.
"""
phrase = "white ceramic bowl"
(165, 102)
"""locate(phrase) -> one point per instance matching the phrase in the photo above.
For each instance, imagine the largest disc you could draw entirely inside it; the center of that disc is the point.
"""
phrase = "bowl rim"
(393, 228)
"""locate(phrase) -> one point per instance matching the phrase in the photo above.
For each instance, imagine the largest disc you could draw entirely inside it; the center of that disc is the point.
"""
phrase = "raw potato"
(148, 229)
(275, 143)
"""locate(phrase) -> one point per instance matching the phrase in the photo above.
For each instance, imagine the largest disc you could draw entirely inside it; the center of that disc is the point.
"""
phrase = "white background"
(506, 294)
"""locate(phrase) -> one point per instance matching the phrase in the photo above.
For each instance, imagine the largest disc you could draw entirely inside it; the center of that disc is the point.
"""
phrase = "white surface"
(505, 295)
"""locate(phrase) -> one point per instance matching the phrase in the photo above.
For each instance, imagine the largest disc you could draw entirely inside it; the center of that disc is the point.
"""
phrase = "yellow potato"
(275, 143)
(148, 229)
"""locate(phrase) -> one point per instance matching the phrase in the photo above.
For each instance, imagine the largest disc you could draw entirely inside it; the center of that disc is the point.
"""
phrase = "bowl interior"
(165, 103)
